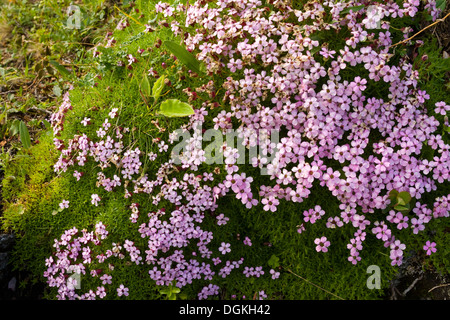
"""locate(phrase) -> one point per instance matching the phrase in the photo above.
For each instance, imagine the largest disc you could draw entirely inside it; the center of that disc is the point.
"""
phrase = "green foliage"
(400, 201)
(24, 135)
(158, 86)
(63, 71)
(274, 261)
(175, 108)
(441, 4)
(184, 56)
(352, 9)
(145, 86)
(171, 292)
(18, 127)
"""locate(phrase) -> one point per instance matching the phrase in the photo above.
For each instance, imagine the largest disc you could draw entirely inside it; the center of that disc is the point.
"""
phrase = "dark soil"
(414, 283)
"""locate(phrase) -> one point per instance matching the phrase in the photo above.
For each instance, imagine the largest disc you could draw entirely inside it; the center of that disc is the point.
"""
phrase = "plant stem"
(128, 15)
(290, 271)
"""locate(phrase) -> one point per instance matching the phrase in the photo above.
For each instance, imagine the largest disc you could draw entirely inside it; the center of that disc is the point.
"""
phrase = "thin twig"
(412, 285)
(441, 285)
(429, 26)
(128, 15)
(290, 271)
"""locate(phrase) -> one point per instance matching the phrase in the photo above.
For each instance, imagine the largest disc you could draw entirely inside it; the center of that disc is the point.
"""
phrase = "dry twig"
(429, 26)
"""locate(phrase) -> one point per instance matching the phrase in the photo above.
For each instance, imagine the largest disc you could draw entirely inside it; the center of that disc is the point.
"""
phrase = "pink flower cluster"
(209, 290)
(253, 271)
(302, 87)
(57, 118)
(275, 77)
(78, 253)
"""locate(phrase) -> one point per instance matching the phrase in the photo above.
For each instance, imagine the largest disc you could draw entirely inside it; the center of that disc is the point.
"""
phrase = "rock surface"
(6, 245)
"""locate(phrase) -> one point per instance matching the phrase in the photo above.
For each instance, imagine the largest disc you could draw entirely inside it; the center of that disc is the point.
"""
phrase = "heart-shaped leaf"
(393, 195)
(403, 198)
(175, 108)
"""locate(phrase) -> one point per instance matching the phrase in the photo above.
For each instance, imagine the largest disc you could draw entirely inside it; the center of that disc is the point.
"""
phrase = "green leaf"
(64, 72)
(164, 291)
(176, 290)
(393, 195)
(446, 129)
(175, 108)
(403, 208)
(184, 56)
(441, 4)
(354, 9)
(14, 127)
(183, 296)
(157, 87)
(24, 135)
(46, 123)
(274, 262)
(403, 197)
(145, 86)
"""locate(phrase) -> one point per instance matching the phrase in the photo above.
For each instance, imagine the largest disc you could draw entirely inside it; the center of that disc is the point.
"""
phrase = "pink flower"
(95, 199)
(86, 121)
(322, 244)
(221, 219)
(429, 247)
(224, 248)
(121, 290)
(113, 113)
(64, 204)
(101, 293)
(275, 274)
(354, 257)
(354, 246)
(397, 248)
(327, 53)
(106, 279)
(401, 221)
(131, 59)
(442, 108)
(270, 203)
(77, 175)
